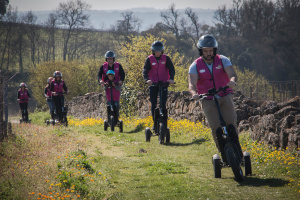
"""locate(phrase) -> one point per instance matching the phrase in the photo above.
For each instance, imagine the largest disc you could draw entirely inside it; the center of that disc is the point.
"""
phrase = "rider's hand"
(18, 99)
(171, 81)
(68, 91)
(195, 97)
(231, 84)
(120, 82)
(113, 84)
(149, 82)
(101, 82)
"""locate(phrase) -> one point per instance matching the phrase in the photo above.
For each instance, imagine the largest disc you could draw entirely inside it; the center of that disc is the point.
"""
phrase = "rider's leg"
(230, 117)
(164, 102)
(153, 90)
(117, 110)
(22, 110)
(56, 101)
(212, 116)
(26, 111)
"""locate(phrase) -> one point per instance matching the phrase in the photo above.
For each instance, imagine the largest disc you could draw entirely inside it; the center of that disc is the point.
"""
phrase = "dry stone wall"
(278, 124)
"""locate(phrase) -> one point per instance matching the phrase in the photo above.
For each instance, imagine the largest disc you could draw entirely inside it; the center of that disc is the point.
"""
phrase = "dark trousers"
(154, 93)
(23, 107)
(59, 102)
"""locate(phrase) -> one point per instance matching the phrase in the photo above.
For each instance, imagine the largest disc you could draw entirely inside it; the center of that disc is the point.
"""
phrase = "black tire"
(47, 122)
(147, 134)
(53, 122)
(112, 123)
(121, 126)
(233, 161)
(217, 168)
(105, 125)
(162, 132)
(21, 120)
(65, 120)
(247, 167)
(168, 136)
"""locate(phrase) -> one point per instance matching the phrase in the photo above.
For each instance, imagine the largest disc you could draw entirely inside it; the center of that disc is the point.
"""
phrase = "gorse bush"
(80, 77)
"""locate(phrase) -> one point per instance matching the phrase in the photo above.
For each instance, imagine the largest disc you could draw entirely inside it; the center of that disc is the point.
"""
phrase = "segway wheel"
(148, 134)
(21, 120)
(216, 160)
(162, 130)
(168, 135)
(247, 164)
(66, 121)
(121, 126)
(233, 160)
(47, 122)
(105, 125)
(112, 123)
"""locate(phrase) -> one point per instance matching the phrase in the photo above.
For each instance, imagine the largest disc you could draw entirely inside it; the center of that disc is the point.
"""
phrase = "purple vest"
(58, 87)
(207, 81)
(116, 94)
(23, 96)
(116, 70)
(159, 70)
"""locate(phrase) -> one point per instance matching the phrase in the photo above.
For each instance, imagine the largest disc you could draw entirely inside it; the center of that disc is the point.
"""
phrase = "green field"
(84, 162)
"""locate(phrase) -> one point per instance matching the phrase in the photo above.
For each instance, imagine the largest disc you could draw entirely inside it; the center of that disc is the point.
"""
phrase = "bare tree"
(32, 33)
(51, 27)
(125, 28)
(194, 29)
(171, 20)
(72, 16)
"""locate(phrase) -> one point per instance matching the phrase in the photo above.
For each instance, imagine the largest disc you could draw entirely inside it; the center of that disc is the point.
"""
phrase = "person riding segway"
(158, 73)
(48, 95)
(23, 98)
(113, 92)
(58, 88)
(207, 74)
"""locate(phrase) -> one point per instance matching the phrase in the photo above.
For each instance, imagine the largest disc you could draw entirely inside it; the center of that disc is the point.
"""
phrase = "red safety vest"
(159, 70)
(116, 94)
(218, 77)
(23, 96)
(116, 70)
(58, 87)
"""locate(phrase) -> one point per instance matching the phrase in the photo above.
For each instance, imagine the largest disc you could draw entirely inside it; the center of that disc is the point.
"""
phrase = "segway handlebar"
(211, 92)
(160, 83)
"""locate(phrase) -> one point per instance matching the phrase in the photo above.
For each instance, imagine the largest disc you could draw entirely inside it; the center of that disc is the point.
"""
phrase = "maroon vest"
(23, 96)
(159, 70)
(217, 79)
(116, 70)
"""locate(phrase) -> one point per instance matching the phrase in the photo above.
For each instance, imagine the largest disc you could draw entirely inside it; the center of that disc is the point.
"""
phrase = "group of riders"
(210, 70)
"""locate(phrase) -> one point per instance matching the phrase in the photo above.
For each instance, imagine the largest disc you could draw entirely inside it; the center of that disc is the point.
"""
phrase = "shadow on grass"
(197, 141)
(137, 129)
(258, 182)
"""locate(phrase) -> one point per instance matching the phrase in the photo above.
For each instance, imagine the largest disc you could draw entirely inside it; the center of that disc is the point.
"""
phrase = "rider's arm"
(122, 73)
(193, 79)
(231, 75)
(171, 68)
(19, 94)
(100, 72)
(28, 94)
(65, 87)
(146, 69)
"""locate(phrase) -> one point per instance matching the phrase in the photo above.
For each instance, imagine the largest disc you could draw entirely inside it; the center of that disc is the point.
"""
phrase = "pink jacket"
(159, 70)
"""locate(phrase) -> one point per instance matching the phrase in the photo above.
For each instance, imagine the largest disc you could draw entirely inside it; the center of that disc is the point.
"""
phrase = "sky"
(41, 5)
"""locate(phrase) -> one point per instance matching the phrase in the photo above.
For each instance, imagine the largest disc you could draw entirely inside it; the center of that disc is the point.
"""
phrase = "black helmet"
(109, 54)
(157, 46)
(207, 41)
(57, 74)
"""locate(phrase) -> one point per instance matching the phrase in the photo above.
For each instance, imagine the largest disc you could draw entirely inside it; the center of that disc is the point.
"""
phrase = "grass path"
(180, 170)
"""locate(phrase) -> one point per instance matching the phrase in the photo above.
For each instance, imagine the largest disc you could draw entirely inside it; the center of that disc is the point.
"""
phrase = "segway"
(231, 151)
(160, 119)
(63, 120)
(23, 119)
(112, 113)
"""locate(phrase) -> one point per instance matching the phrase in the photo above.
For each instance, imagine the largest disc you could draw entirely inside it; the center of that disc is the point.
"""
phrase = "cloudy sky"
(37, 5)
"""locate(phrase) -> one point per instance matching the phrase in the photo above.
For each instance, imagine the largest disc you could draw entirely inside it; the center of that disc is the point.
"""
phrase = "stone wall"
(275, 123)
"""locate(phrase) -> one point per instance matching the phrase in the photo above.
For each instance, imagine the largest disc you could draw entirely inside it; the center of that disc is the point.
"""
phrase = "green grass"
(180, 170)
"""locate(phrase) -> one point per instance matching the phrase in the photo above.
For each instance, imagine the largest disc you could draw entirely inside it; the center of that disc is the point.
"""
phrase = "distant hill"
(103, 19)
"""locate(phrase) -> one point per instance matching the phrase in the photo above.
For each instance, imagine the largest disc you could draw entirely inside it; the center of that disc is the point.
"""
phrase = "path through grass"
(83, 161)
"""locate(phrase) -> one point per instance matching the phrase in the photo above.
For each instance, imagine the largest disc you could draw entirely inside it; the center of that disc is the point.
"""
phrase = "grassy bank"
(84, 162)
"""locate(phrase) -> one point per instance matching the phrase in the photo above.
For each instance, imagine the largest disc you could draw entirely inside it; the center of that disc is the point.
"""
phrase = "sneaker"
(56, 121)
